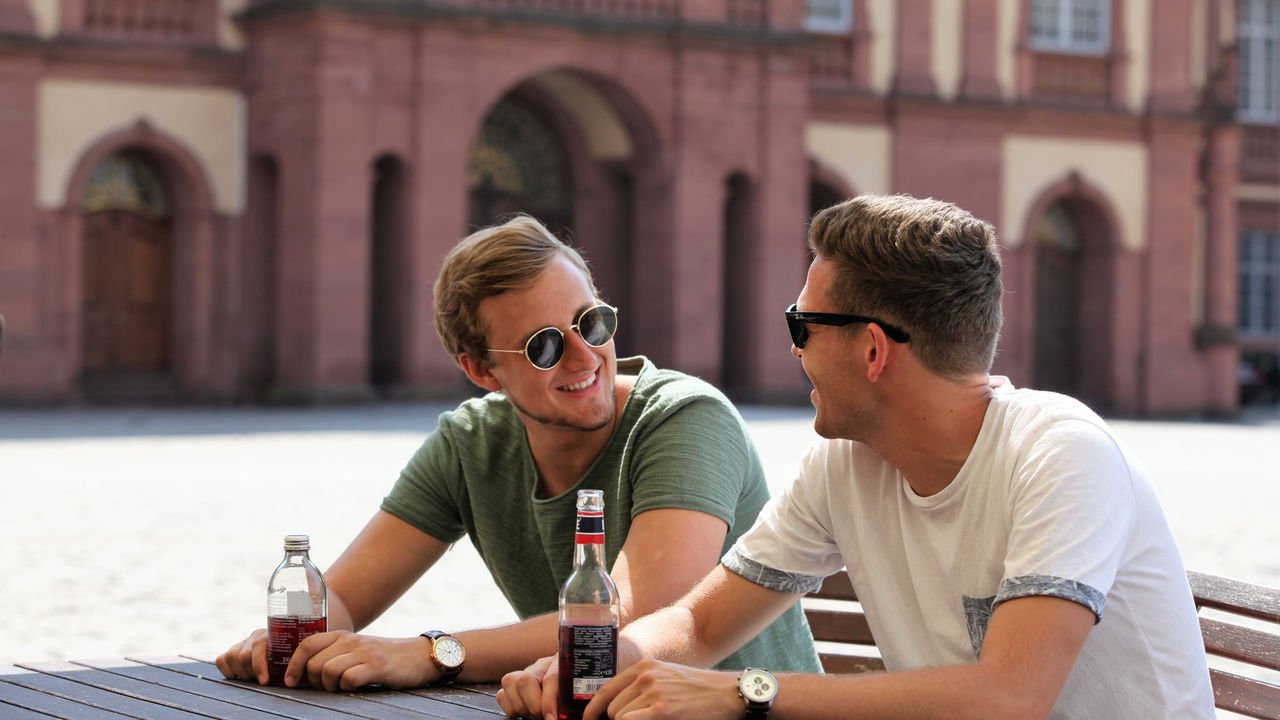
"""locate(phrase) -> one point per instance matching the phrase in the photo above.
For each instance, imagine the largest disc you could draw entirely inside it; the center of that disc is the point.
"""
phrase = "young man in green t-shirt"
(518, 311)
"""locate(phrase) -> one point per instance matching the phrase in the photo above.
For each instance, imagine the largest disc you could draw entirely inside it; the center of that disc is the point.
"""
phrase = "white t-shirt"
(1048, 503)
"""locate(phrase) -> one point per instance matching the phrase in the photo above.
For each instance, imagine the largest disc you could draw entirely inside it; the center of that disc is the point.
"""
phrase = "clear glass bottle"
(297, 606)
(589, 613)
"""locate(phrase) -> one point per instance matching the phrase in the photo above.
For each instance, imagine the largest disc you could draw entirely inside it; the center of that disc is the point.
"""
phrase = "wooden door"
(127, 292)
(1057, 298)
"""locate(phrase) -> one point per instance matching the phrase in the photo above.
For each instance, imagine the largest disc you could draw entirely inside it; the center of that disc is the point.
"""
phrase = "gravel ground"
(144, 531)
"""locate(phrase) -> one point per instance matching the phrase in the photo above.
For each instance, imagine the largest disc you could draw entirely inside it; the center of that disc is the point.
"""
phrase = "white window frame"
(1259, 276)
(840, 24)
(1259, 78)
(1063, 37)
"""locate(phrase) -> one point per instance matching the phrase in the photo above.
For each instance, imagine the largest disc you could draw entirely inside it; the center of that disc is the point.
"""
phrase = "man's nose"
(795, 351)
(576, 349)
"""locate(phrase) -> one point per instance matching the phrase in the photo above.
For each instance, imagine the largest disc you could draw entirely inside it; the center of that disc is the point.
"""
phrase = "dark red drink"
(284, 632)
(588, 657)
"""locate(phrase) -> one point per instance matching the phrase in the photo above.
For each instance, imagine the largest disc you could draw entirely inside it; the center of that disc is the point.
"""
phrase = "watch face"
(448, 650)
(757, 685)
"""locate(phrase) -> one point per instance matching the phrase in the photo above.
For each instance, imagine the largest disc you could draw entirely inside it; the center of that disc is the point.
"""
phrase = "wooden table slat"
(49, 705)
(443, 708)
(374, 704)
(242, 696)
(72, 689)
(173, 687)
(22, 712)
(480, 697)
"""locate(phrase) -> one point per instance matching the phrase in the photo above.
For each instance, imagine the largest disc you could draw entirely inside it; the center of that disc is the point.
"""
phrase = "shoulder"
(1044, 435)
(664, 391)
(477, 419)
(1023, 416)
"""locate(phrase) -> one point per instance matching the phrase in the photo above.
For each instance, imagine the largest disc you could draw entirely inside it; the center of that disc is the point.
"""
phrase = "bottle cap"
(297, 542)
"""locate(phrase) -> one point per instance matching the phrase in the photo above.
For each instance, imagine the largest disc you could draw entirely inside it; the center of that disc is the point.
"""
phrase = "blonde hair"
(926, 264)
(489, 262)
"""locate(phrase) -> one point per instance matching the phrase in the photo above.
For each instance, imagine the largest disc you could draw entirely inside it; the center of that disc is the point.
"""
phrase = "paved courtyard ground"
(151, 531)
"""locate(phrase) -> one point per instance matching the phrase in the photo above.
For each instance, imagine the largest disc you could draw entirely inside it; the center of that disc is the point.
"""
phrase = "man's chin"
(591, 423)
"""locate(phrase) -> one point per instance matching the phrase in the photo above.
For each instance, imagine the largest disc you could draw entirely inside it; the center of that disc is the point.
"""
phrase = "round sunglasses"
(544, 348)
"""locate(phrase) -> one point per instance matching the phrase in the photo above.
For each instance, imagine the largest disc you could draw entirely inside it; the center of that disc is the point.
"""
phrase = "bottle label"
(594, 658)
(283, 635)
(298, 602)
(590, 527)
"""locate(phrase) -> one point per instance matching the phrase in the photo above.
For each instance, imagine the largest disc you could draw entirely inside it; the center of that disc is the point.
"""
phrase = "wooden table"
(183, 688)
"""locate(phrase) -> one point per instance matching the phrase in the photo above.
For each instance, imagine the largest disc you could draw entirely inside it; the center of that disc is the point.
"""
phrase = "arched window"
(518, 164)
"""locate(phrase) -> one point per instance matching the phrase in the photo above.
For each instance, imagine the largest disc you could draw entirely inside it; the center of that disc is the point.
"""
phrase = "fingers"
(651, 689)
(550, 686)
(246, 660)
(342, 660)
(524, 693)
(300, 664)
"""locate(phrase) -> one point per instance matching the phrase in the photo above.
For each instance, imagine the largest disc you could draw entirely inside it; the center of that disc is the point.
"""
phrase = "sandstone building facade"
(247, 200)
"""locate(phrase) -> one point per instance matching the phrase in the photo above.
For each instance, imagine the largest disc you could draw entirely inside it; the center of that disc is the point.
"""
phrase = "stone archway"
(194, 367)
(1077, 272)
(569, 148)
(127, 271)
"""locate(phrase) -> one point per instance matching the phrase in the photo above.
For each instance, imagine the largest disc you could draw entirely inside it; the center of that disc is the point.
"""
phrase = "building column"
(312, 103)
(1171, 58)
(696, 261)
(1217, 333)
(1171, 372)
(913, 74)
(32, 352)
(16, 18)
(981, 22)
(782, 200)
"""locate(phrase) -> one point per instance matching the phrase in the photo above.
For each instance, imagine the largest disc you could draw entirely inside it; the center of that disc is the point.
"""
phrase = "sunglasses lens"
(545, 348)
(597, 325)
(799, 332)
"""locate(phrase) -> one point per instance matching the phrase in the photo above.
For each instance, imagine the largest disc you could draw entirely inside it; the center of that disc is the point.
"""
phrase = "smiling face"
(578, 393)
(830, 359)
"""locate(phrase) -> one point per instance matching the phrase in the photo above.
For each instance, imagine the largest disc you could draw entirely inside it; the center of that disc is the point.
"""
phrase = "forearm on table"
(718, 616)
(956, 693)
(493, 652)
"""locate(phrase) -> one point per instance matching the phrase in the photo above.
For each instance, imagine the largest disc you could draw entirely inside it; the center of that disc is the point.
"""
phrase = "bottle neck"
(589, 539)
(588, 555)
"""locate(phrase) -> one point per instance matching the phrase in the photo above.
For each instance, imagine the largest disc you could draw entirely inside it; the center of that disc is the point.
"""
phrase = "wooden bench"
(1240, 623)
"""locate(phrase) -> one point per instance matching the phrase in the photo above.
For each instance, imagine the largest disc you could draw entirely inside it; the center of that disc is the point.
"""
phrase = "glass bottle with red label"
(589, 613)
(296, 605)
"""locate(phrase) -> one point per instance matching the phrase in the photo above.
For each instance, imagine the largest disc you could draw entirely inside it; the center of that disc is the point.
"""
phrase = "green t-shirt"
(678, 444)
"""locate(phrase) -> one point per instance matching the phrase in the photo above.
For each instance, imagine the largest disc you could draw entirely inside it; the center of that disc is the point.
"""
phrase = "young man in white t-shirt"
(1011, 556)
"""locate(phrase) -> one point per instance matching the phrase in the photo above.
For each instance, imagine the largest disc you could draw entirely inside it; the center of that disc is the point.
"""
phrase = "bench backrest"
(1240, 623)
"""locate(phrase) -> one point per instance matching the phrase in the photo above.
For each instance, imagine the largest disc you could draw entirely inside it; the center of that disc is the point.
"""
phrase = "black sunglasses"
(544, 348)
(797, 319)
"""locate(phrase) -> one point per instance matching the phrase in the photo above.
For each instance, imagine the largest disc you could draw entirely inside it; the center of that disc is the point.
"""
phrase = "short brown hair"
(488, 262)
(925, 264)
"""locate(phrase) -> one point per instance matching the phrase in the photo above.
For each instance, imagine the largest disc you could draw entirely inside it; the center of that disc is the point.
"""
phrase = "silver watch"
(758, 687)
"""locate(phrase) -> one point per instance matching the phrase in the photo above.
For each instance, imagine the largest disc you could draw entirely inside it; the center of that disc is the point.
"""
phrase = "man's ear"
(877, 351)
(478, 372)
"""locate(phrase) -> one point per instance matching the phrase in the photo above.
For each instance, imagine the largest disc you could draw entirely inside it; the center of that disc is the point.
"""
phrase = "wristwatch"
(758, 687)
(447, 653)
